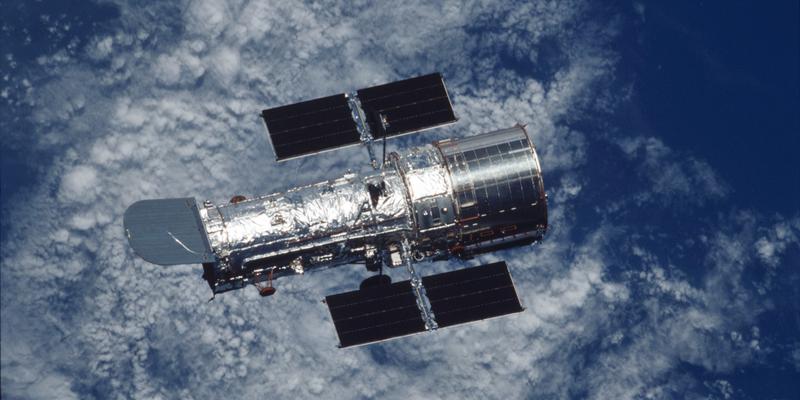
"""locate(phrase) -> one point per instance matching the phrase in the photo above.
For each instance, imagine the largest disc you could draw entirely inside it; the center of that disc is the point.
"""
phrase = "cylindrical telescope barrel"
(475, 194)
(453, 198)
(497, 188)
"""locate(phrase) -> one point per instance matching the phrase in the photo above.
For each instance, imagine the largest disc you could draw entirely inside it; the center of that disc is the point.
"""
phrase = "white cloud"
(207, 17)
(225, 62)
(672, 178)
(79, 184)
(776, 240)
(101, 48)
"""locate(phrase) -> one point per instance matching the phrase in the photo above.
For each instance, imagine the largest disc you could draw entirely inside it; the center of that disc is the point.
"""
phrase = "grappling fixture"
(450, 198)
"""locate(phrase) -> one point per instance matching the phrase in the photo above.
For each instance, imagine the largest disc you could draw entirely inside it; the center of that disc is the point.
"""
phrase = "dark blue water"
(720, 82)
(720, 79)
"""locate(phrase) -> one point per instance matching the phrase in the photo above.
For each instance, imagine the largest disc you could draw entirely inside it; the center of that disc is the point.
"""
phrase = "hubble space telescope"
(453, 198)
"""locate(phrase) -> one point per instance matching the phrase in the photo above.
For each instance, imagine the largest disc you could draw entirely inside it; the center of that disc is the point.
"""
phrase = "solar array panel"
(311, 126)
(407, 106)
(471, 294)
(325, 123)
(375, 313)
(383, 312)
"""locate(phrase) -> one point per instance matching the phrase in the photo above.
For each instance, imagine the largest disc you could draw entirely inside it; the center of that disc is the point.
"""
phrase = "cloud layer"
(164, 103)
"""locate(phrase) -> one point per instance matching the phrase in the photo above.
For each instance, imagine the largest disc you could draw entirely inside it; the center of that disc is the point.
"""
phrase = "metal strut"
(361, 125)
(423, 303)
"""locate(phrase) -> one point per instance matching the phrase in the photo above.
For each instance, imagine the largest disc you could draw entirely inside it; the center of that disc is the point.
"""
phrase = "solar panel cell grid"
(466, 295)
(398, 87)
(307, 107)
(406, 106)
(472, 294)
(311, 126)
(375, 314)
(391, 109)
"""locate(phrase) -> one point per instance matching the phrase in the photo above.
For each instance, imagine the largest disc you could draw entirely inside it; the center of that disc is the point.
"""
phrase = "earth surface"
(667, 134)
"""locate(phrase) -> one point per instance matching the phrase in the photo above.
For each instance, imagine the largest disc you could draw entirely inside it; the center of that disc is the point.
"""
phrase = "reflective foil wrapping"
(430, 194)
(451, 198)
(305, 227)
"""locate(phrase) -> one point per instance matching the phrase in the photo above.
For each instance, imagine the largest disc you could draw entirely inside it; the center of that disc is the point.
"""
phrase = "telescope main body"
(451, 198)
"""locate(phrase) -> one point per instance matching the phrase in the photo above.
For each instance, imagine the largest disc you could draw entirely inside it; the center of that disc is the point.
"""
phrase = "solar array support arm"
(423, 303)
(361, 125)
